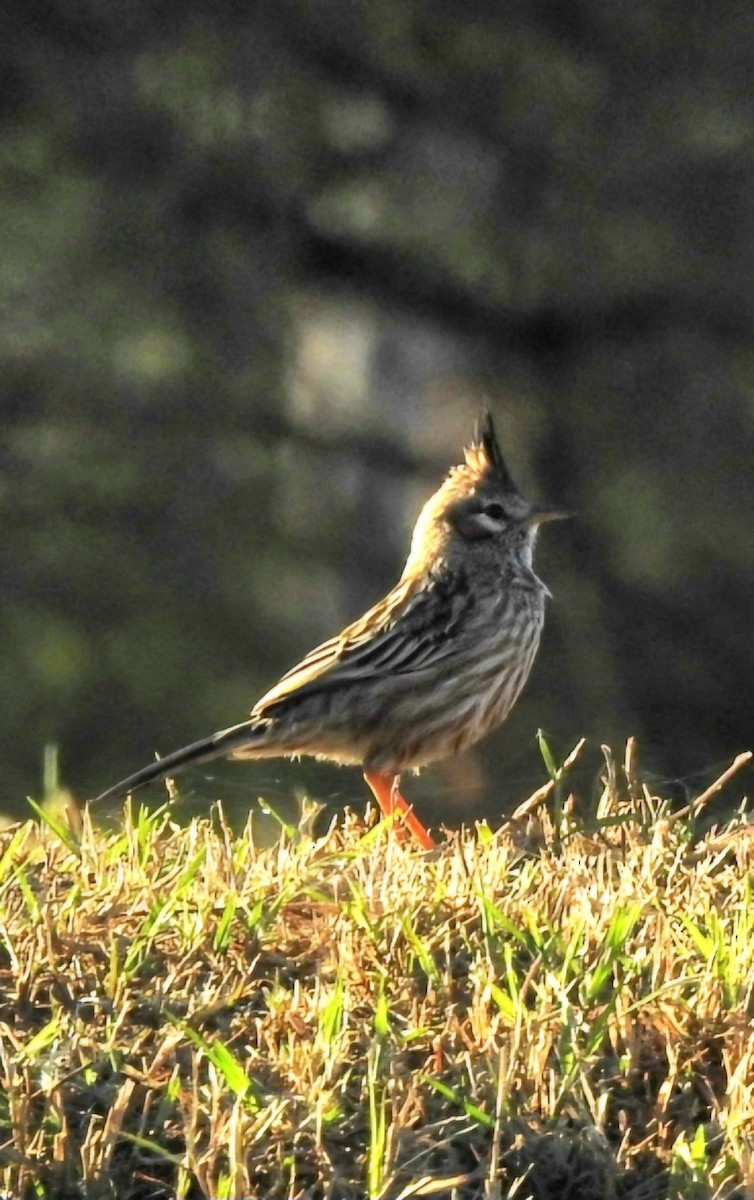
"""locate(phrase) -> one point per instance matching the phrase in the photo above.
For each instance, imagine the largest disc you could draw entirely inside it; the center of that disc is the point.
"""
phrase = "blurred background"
(261, 263)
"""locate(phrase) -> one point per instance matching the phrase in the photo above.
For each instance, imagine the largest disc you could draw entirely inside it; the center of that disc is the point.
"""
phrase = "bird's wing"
(410, 630)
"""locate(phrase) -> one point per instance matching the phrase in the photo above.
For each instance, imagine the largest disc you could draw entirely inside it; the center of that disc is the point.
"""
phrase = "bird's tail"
(215, 746)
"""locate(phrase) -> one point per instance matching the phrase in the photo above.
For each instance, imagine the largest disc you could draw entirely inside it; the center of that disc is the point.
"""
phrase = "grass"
(561, 1008)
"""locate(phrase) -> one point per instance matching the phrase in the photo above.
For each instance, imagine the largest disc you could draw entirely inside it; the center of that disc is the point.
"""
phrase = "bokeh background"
(259, 266)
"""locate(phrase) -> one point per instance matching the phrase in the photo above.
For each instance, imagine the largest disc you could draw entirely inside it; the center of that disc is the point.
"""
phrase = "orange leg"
(385, 790)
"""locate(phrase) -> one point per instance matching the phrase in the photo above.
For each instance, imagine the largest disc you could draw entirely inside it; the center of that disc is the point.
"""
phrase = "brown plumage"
(432, 667)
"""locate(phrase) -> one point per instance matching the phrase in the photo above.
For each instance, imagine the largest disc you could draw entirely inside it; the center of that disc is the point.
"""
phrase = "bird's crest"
(484, 456)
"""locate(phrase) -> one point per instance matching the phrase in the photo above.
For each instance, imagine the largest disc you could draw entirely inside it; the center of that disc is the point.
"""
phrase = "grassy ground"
(561, 1008)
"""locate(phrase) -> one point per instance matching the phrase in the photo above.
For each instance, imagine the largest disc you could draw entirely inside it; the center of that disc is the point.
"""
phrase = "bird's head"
(478, 513)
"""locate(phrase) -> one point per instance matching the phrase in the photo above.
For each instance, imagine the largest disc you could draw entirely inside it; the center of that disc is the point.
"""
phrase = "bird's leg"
(385, 789)
(382, 788)
(408, 817)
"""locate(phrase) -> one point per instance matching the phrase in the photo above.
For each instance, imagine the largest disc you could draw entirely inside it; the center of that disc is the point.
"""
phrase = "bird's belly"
(451, 714)
(395, 722)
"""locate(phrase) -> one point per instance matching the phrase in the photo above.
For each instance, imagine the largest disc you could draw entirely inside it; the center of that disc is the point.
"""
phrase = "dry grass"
(561, 1009)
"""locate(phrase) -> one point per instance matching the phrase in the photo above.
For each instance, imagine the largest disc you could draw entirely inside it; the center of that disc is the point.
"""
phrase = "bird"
(428, 670)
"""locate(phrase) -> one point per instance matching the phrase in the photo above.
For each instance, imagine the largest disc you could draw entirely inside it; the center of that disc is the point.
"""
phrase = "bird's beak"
(542, 512)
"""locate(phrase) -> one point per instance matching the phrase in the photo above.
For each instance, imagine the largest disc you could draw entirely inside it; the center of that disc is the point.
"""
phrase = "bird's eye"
(494, 510)
(474, 519)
